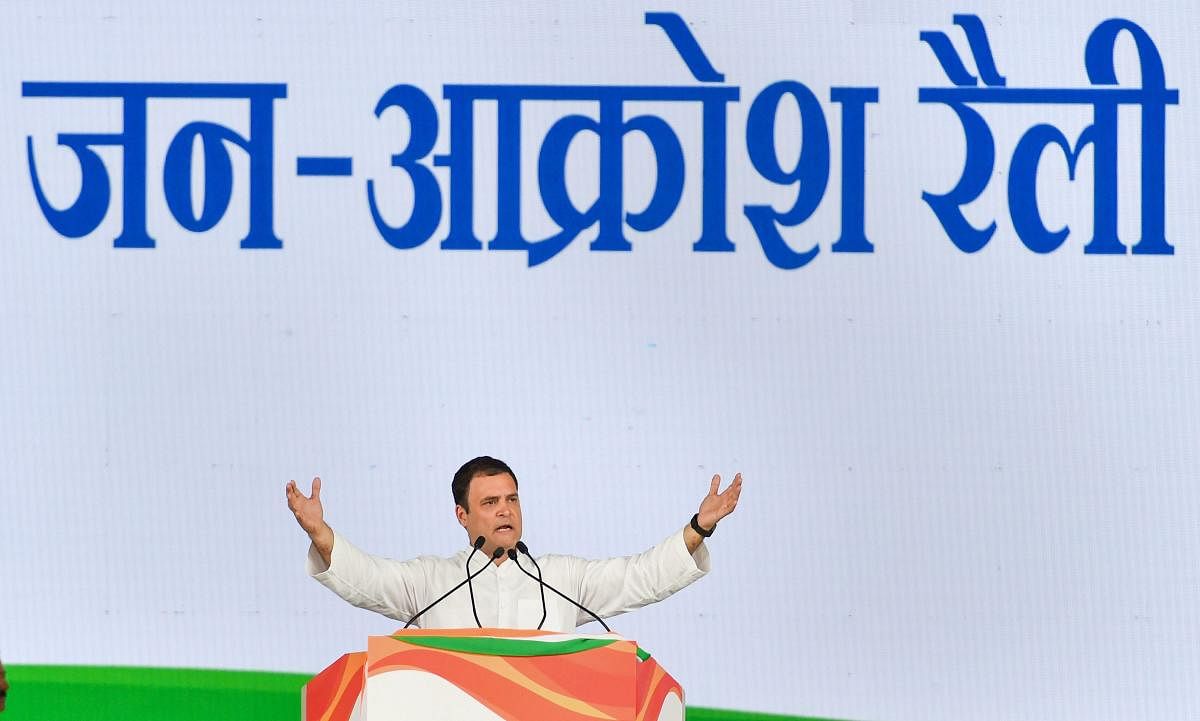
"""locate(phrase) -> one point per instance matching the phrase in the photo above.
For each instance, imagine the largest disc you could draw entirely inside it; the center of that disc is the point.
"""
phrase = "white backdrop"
(970, 478)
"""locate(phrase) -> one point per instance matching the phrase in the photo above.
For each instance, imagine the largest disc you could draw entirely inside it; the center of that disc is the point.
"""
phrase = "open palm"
(716, 506)
(308, 509)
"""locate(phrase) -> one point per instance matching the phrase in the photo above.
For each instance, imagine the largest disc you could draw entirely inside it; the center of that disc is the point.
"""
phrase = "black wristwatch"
(695, 523)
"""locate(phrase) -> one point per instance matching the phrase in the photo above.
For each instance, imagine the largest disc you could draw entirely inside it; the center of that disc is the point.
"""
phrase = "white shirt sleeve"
(618, 585)
(392, 588)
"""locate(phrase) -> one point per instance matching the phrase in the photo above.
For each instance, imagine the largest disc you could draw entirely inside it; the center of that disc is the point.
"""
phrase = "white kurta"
(504, 596)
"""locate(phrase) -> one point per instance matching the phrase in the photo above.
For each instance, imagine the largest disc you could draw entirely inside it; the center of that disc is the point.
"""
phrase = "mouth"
(504, 529)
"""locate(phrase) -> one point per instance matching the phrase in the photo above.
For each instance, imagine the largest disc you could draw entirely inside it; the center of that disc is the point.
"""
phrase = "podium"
(493, 674)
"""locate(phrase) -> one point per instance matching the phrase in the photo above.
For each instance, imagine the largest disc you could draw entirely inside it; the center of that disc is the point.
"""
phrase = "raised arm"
(311, 517)
(617, 585)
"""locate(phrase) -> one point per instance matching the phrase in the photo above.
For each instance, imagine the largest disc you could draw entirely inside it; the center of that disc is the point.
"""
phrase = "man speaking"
(493, 582)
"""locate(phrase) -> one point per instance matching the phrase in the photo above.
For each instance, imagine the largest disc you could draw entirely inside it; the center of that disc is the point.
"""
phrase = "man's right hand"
(311, 517)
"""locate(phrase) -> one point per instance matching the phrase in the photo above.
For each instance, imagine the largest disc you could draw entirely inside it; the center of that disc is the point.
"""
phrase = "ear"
(461, 514)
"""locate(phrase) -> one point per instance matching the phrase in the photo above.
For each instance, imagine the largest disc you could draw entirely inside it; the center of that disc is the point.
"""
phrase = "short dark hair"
(481, 466)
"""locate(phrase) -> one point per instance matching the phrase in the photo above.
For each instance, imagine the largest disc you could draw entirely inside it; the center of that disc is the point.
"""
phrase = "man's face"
(493, 511)
(3, 687)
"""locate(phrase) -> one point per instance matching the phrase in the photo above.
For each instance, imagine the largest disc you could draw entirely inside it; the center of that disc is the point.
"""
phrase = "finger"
(731, 494)
(316, 488)
(716, 483)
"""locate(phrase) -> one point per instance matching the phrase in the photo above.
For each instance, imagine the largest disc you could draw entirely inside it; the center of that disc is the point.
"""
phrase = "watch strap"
(695, 524)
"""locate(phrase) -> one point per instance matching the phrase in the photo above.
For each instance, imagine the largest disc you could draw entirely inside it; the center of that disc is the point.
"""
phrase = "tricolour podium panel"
(494, 674)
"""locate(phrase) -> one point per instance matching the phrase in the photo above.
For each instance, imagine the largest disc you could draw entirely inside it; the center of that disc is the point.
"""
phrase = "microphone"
(541, 584)
(471, 589)
(512, 553)
(477, 545)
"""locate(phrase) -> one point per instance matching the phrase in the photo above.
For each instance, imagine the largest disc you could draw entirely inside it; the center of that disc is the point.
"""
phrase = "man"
(3, 686)
(503, 596)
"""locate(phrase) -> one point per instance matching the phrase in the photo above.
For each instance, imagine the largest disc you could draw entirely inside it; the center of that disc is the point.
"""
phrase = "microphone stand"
(495, 554)
(512, 553)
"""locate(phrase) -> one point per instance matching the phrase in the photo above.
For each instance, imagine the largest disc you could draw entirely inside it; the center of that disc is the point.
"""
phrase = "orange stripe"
(323, 687)
(654, 684)
(486, 683)
(597, 676)
(604, 665)
(331, 694)
(603, 676)
(580, 690)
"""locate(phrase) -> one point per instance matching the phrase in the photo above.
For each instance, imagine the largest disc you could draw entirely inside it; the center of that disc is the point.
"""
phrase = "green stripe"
(117, 693)
(90, 693)
(716, 714)
(512, 646)
(506, 646)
